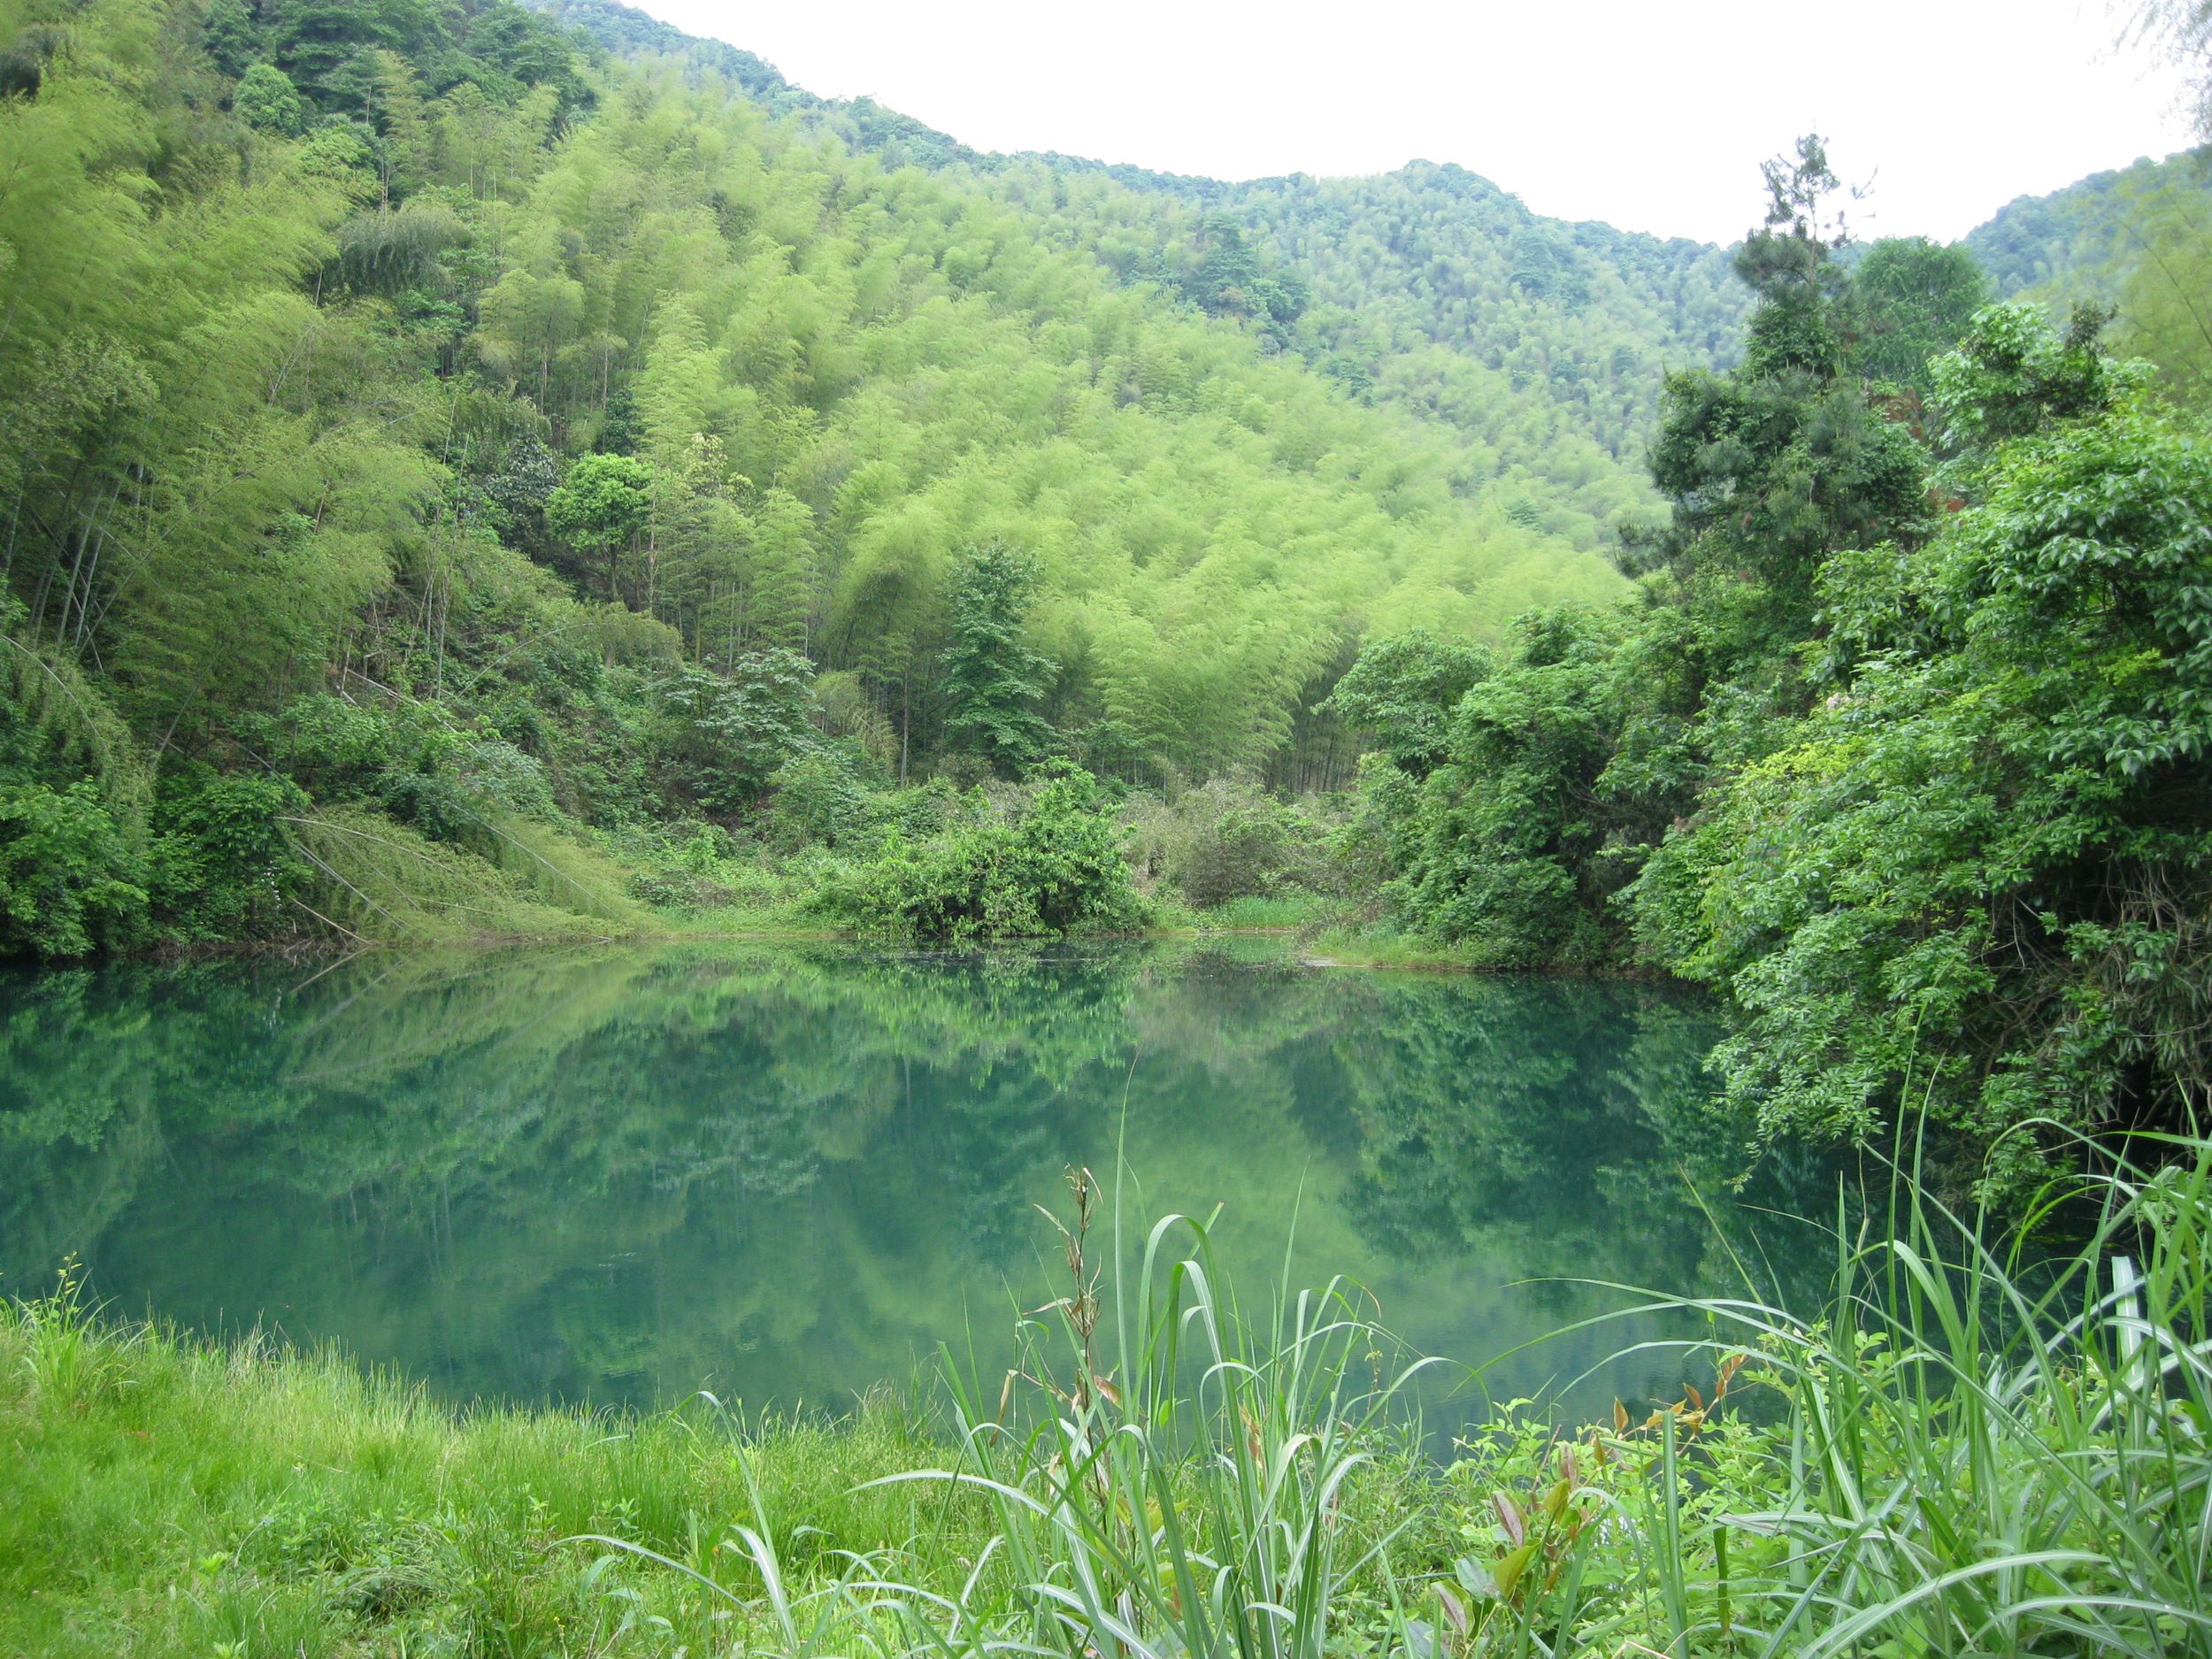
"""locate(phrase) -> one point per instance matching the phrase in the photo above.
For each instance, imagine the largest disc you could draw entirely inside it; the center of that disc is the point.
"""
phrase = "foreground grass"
(1958, 1456)
(170, 1497)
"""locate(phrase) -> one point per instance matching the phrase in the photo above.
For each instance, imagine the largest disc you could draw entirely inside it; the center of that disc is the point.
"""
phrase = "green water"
(785, 1174)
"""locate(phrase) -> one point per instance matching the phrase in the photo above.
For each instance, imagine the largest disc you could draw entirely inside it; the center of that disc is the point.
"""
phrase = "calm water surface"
(786, 1174)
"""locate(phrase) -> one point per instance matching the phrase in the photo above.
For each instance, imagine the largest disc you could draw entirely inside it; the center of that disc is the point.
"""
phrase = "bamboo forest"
(770, 886)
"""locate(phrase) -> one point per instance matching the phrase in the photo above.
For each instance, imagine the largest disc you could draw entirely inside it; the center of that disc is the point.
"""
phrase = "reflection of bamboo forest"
(781, 1173)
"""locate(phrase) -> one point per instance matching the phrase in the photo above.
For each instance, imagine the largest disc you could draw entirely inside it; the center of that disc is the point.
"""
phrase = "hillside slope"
(1541, 344)
(2068, 240)
(2135, 242)
(469, 438)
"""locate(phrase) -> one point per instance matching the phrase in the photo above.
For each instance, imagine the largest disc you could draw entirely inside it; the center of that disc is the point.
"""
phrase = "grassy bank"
(1958, 1455)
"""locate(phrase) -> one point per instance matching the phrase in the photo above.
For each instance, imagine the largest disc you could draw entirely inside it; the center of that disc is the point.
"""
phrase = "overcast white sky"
(1652, 117)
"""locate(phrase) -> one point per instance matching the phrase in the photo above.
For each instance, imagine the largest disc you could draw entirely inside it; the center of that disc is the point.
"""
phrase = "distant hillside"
(1534, 336)
(1542, 344)
(474, 436)
(2135, 242)
(2074, 242)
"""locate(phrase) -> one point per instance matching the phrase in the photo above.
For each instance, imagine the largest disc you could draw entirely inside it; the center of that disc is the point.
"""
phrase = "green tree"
(1979, 870)
(231, 37)
(724, 738)
(71, 883)
(1403, 692)
(1772, 467)
(992, 681)
(1506, 841)
(1914, 299)
(601, 508)
(1517, 817)
(266, 98)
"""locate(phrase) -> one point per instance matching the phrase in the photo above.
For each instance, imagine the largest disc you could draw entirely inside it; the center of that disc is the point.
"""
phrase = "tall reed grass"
(1981, 1444)
(1974, 1447)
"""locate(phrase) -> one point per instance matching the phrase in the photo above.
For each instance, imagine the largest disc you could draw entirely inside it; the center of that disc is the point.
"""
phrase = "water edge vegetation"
(1966, 1448)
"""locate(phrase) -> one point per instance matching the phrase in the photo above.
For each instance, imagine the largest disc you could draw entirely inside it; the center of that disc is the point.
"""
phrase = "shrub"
(1229, 839)
(70, 883)
(719, 739)
(1056, 869)
(223, 866)
(408, 759)
(266, 98)
(820, 800)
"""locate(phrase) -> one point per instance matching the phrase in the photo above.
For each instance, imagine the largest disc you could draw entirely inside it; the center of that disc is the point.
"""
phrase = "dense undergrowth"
(1969, 1449)
(1902, 745)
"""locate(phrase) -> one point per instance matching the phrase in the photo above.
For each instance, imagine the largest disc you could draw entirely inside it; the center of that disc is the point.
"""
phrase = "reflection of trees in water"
(1522, 1105)
(1568, 1124)
(637, 1155)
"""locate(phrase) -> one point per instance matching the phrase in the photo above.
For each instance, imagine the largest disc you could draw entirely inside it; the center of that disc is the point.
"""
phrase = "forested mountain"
(2068, 236)
(473, 434)
(1541, 344)
(2135, 242)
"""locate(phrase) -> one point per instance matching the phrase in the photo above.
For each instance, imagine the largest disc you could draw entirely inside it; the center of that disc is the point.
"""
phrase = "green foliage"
(74, 805)
(1956, 1454)
(1505, 843)
(1916, 299)
(71, 882)
(2013, 374)
(375, 880)
(345, 417)
(2134, 243)
(266, 98)
(1976, 874)
(992, 681)
(601, 507)
(1228, 839)
(1510, 808)
(1922, 795)
(1541, 345)
(722, 738)
(1231, 279)
(1403, 692)
(341, 150)
(2157, 246)
(223, 866)
(405, 758)
(1773, 467)
(821, 799)
(1055, 867)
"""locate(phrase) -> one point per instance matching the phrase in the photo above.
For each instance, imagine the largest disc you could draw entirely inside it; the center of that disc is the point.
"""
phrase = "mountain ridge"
(618, 27)
(1541, 344)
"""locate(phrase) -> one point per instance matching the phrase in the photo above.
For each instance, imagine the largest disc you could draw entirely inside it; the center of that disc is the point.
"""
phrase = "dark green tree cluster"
(1979, 872)
(993, 682)
(1898, 746)
(1056, 867)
